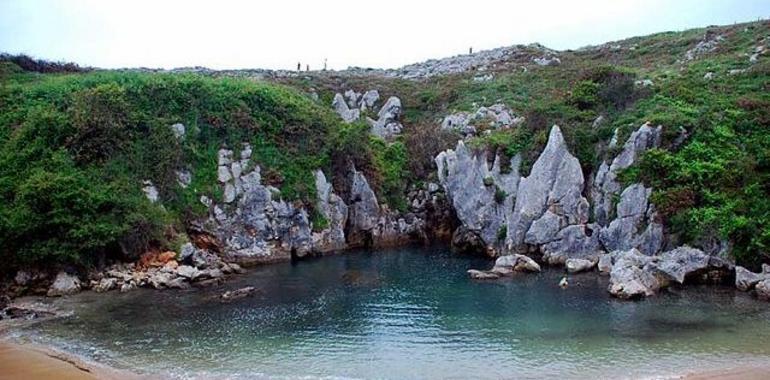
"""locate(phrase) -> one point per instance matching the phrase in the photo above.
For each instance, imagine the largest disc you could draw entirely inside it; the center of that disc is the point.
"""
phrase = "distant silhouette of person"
(324, 64)
(299, 66)
(307, 68)
(470, 50)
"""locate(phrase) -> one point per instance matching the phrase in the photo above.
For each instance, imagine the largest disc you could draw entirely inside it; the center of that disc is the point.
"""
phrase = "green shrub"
(500, 195)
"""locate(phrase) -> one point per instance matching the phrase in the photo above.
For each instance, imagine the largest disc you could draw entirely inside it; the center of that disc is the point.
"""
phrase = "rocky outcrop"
(64, 284)
(370, 225)
(350, 106)
(387, 124)
(335, 213)
(497, 116)
(633, 275)
(481, 61)
(254, 227)
(636, 224)
(342, 108)
(605, 185)
(549, 200)
(482, 197)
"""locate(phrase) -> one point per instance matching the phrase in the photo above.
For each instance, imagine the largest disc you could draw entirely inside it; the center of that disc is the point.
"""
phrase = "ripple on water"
(412, 313)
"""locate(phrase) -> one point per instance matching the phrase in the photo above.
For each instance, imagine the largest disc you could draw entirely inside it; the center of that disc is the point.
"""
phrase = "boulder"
(150, 191)
(106, 284)
(369, 99)
(745, 280)
(64, 284)
(506, 266)
(482, 275)
(763, 290)
(160, 280)
(188, 272)
(683, 262)
(633, 275)
(179, 130)
(605, 264)
(579, 265)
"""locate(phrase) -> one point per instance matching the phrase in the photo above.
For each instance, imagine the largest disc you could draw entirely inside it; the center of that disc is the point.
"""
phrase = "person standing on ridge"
(470, 50)
(324, 64)
(299, 66)
(307, 67)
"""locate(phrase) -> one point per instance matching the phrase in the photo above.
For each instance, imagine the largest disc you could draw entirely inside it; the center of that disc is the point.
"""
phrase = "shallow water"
(412, 313)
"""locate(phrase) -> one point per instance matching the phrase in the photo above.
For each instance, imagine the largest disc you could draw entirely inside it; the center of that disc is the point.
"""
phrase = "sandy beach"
(34, 362)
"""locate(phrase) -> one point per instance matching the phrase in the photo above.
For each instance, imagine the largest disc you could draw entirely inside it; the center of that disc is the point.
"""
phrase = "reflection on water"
(413, 313)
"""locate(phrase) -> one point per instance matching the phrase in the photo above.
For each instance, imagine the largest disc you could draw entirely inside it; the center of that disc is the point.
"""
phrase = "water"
(412, 313)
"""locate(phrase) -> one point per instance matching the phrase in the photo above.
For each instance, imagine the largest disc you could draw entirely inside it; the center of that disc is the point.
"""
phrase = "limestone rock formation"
(335, 212)
(606, 186)
(482, 197)
(636, 224)
(551, 193)
(387, 124)
(342, 109)
(633, 275)
(497, 116)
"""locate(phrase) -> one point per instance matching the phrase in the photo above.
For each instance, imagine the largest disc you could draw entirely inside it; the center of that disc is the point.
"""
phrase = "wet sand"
(33, 362)
(748, 373)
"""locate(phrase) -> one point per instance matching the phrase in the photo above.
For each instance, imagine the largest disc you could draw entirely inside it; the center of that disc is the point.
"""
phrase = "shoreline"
(33, 361)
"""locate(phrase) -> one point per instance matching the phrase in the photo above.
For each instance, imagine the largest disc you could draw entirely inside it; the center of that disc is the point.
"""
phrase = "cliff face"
(546, 212)
(255, 226)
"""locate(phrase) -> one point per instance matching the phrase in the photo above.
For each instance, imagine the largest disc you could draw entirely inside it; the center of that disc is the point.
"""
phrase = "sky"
(229, 34)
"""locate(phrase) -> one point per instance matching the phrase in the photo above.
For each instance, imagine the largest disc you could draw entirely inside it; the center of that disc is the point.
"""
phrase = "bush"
(500, 195)
(74, 150)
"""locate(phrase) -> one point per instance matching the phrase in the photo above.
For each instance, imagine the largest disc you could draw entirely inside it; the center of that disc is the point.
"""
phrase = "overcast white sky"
(387, 33)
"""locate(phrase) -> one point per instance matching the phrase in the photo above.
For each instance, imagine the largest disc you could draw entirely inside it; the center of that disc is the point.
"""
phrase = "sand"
(32, 362)
(35, 362)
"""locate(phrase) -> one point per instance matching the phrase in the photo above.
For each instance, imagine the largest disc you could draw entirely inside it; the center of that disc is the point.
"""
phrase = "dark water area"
(412, 313)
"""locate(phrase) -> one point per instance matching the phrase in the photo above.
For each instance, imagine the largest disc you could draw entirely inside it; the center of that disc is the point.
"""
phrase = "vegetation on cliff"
(75, 147)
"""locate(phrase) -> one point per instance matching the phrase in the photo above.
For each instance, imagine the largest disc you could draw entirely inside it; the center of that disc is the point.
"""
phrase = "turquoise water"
(412, 313)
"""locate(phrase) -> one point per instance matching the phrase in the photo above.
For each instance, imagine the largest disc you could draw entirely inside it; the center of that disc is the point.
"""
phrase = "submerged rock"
(238, 293)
